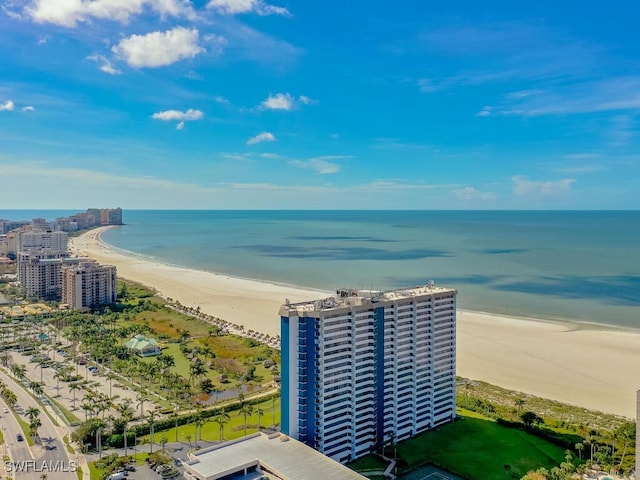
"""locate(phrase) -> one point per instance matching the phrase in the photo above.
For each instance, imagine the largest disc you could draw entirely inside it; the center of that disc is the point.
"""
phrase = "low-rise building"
(143, 346)
(272, 456)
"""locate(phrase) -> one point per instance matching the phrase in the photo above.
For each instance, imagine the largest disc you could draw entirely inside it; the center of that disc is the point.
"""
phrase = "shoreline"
(573, 362)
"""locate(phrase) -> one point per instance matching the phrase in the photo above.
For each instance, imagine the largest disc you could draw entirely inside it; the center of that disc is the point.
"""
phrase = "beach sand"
(589, 366)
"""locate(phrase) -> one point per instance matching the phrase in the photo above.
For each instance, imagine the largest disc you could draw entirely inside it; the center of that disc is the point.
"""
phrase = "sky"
(248, 104)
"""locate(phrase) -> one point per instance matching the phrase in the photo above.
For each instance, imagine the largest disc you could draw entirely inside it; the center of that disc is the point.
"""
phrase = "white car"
(5, 410)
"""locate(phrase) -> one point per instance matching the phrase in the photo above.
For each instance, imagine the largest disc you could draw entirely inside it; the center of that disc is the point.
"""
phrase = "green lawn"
(478, 448)
(25, 430)
(233, 429)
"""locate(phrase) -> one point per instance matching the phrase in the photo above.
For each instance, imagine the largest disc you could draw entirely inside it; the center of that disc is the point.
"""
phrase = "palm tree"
(141, 397)
(199, 421)
(73, 387)
(58, 375)
(34, 425)
(9, 397)
(221, 418)
(36, 388)
(246, 410)
(126, 414)
(151, 420)
(19, 371)
(174, 416)
(87, 406)
(32, 412)
(111, 376)
(259, 412)
(196, 370)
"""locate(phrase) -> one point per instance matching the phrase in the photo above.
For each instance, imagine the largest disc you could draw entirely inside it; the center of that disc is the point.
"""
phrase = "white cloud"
(232, 7)
(7, 106)
(485, 112)
(285, 101)
(170, 115)
(261, 137)
(470, 193)
(523, 187)
(158, 49)
(279, 101)
(221, 100)
(191, 75)
(29, 108)
(524, 93)
(68, 13)
(180, 126)
(304, 100)
(107, 66)
(321, 165)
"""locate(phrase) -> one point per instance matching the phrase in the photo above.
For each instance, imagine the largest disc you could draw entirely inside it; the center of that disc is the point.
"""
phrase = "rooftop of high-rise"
(350, 297)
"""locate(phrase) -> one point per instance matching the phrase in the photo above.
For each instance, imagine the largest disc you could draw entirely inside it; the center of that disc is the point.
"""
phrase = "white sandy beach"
(591, 367)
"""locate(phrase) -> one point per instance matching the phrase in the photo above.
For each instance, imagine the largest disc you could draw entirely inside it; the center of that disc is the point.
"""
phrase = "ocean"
(562, 265)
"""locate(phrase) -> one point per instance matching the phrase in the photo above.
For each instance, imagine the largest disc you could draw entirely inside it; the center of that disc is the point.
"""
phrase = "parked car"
(19, 437)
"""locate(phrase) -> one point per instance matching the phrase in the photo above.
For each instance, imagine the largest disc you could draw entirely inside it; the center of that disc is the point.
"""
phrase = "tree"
(32, 412)
(519, 403)
(259, 412)
(58, 375)
(151, 420)
(141, 397)
(111, 376)
(530, 419)
(126, 415)
(221, 418)
(626, 433)
(580, 448)
(36, 388)
(73, 387)
(199, 421)
(19, 371)
(196, 370)
(246, 410)
(174, 416)
(34, 425)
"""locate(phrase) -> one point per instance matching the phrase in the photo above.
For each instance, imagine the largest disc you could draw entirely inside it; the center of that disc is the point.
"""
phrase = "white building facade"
(35, 239)
(362, 370)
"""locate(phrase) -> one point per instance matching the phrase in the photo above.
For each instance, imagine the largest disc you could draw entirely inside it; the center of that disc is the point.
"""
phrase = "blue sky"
(358, 104)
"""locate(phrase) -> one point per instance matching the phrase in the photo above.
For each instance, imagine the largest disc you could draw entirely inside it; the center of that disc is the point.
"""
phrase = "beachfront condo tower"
(88, 284)
(362, 369)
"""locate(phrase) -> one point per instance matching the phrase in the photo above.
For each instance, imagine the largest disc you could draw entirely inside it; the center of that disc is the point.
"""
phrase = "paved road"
(50, 456)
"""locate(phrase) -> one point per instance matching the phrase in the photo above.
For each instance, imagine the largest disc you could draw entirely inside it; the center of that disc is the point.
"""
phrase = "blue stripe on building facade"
(285, 378)
(312, 377)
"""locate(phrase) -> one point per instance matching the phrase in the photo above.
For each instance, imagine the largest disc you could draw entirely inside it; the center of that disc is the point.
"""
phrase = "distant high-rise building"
(36, 239)
(363, 369)
(88, 284)
(40, 272)
(111, 216)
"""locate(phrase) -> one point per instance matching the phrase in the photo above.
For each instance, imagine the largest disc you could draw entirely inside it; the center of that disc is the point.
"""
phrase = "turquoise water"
(564, 265)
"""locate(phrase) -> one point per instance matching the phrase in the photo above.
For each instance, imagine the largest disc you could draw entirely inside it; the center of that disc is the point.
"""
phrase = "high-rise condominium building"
(35, 239)
(40, 272)
(88, 284)
(361, 370)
